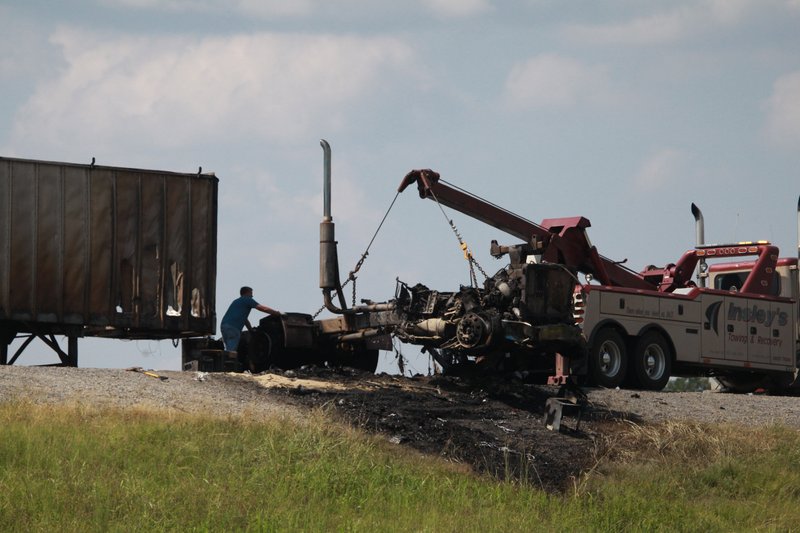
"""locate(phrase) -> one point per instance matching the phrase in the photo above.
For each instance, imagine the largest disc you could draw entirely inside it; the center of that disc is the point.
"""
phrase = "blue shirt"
(237, 313)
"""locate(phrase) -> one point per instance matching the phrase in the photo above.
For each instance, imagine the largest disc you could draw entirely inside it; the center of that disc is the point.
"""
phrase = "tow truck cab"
(785, 281)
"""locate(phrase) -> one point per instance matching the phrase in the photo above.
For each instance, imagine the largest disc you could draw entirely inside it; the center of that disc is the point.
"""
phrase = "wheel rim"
(654, 361)
(610, 359)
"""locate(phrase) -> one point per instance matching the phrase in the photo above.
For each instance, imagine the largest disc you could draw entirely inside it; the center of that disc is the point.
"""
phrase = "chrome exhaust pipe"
(326, 180)
(700, 240)
(328, 257)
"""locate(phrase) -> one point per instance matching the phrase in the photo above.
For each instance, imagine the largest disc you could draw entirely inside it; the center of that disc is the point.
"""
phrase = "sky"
(621, 111)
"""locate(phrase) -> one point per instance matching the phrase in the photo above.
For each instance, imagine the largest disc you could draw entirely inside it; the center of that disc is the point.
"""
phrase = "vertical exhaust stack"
(328, 257)
(700, 238)
(798, 227)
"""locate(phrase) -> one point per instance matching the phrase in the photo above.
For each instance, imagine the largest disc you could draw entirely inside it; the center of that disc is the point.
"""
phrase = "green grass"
(80, 469)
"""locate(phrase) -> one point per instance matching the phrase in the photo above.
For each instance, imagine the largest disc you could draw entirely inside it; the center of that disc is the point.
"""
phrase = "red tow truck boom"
(560, 240)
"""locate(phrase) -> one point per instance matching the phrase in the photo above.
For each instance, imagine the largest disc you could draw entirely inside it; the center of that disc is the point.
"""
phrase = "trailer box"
(90, 250)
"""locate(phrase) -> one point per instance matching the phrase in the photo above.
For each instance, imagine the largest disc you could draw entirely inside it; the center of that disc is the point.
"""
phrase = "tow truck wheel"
(652, 361)
(608, 359)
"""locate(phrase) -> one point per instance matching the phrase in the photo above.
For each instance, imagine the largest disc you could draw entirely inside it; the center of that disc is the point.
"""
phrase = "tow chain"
(352, 275)
(473, 263)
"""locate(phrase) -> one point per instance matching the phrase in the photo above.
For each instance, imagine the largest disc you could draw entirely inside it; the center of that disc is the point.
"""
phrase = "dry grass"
(685, 442)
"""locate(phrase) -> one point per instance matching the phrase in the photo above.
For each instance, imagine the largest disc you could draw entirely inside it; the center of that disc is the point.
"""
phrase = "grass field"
(80, 469)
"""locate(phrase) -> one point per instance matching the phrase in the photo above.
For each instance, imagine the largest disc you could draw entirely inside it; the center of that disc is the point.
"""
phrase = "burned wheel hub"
(472, 330)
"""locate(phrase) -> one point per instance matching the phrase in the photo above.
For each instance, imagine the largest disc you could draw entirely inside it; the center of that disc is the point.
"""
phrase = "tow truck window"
(733, 282)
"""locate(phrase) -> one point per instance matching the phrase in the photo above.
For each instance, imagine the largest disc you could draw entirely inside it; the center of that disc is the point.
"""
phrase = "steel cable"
(351, 276)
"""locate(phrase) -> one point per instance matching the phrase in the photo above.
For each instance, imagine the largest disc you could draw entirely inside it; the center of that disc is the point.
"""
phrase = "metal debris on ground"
(149, 373)
(556, 408)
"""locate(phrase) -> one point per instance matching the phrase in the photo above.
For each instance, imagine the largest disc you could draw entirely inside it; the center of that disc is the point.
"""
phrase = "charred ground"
(493, 425)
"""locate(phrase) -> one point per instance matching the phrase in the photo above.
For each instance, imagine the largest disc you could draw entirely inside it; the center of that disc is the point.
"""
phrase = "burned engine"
(523, 311)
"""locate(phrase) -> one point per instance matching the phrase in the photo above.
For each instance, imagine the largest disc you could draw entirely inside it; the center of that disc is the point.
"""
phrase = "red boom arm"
(564, 240)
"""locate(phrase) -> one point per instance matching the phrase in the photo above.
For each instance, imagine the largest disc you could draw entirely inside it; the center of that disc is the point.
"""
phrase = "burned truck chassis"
(520, 320)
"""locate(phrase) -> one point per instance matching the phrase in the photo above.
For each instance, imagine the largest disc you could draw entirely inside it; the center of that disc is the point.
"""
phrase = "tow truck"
(641, 328)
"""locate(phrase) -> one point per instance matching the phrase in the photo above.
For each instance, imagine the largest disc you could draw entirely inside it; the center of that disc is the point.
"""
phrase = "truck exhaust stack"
(328, 258)
(700, 237)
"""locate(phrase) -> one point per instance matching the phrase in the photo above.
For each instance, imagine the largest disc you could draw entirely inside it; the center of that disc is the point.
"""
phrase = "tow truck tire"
(608, 359)
(651, 361)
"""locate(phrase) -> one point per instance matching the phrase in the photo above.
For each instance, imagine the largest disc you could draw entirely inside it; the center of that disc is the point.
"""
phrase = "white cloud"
(260, 8)
(550, 80)
(652, 29)
(659, 170)
(731, 11)
(783, 111)
(173, 91)
(24, 48)
(669, 26)
(300, 8)
(457, 8)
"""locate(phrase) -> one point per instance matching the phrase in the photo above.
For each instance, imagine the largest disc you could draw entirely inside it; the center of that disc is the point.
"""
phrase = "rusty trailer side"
(89, 250)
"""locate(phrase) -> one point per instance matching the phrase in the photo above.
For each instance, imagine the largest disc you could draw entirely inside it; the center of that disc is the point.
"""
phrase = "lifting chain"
(473, 263)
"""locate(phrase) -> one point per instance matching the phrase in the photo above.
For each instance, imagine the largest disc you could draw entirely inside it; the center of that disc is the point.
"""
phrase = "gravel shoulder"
(705, 407)
(189, 392)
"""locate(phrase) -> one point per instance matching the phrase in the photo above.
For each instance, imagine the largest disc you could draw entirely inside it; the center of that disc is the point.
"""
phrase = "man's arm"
(268, 310)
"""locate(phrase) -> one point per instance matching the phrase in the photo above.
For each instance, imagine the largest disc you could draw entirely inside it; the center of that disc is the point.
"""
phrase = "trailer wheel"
(608, 359)
(255, 351)
(652, 361)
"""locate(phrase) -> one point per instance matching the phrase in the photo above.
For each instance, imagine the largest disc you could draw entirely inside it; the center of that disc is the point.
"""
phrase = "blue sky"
(624, 112)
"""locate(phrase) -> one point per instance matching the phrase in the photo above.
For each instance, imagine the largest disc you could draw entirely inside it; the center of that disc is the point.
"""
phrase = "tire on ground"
(255, 351)
(608, 359)
(651, 361)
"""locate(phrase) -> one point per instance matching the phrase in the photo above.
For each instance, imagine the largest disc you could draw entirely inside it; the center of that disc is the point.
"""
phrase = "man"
(236, 317)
